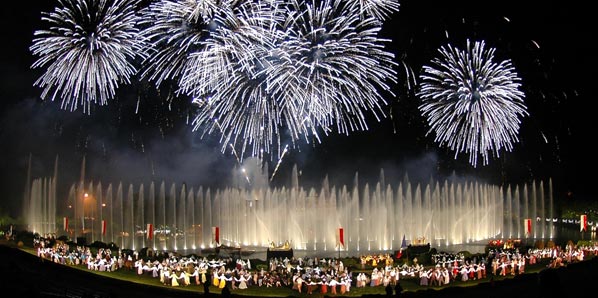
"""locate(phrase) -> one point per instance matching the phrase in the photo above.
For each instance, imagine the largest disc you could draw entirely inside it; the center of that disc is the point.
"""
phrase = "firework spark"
(379, 9)
(88, 51)
(472, 103)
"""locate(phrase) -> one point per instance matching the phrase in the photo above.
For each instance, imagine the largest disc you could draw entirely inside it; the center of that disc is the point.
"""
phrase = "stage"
(279, 253)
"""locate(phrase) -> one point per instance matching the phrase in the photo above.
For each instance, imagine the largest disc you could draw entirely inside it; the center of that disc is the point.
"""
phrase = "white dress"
(242, 282)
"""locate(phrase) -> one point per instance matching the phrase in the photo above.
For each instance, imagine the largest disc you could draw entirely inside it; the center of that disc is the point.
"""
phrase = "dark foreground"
(25, 275)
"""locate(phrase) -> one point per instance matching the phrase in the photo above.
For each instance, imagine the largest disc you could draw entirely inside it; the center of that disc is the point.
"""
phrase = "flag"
(403, 247)
(341, 236)
(583, 223)
(403, 243)
(216, 234)
(150, 231)
(65, 223)
(103, 227)
(399, 254)
(527, 223)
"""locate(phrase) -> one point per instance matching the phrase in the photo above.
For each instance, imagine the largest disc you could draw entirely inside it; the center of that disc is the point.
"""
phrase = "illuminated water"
(373, 217)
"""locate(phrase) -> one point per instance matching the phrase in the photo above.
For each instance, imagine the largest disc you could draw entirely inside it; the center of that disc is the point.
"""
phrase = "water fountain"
(373, 217)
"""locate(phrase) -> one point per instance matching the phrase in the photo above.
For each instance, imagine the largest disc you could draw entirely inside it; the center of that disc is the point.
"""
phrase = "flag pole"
(341, 240)
(583, 224)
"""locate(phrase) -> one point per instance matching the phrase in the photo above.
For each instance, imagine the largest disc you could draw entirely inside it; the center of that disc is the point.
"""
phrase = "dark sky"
(156, 143)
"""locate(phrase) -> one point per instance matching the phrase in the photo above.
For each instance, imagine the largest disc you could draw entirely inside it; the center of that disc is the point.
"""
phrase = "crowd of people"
(309, 275)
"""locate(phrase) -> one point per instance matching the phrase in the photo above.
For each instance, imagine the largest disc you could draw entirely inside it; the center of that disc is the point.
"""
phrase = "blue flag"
(403, 243)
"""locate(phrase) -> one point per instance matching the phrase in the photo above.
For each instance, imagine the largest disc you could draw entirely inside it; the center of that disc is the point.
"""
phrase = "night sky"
(156, 142)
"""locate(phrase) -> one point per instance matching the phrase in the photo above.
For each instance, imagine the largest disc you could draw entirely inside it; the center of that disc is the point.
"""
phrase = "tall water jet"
(129, 217)
(39, 202)
(27, 193)
(151, 213)
(109, 216)
(374, 217)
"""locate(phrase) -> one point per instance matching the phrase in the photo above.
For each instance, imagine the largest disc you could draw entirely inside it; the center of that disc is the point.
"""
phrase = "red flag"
(341, 236)
(103, 227)
(216, 234)
(65, 223)
(583, 223)
(150, 231)
(399, 254)
(527, 223)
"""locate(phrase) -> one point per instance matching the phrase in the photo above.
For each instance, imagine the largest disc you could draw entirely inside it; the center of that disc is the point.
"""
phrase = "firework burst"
(334, 67)
(175, 29)
(88, 51)
(229, 71)
(261, 70)
(301, 70)
(239, 34)
(472, 103)
(213, 56)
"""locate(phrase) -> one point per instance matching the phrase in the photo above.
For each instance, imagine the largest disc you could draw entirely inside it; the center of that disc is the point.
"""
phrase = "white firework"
(238, 35)
(88, 51)
(229, 71)
(337, 67)
(269, 68)
(300, 71)
(175, 29)
(472, 103)
(213, 55)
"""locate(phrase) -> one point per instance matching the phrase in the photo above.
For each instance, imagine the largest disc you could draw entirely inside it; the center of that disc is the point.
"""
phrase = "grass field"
(410, 285)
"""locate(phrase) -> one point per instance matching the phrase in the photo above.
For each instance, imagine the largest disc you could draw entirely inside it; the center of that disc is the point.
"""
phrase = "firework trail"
(279, 162)
(205, 104)
(88, 51)
(472, 103)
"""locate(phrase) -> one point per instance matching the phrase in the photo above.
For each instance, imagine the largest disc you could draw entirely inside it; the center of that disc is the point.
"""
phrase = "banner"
(150, 231)
(65, 223)
(103, 227)
(399, 253)
(216, 235)
(583, 223)
(527, 223)
(341, 236)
